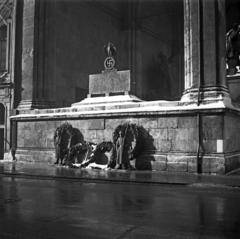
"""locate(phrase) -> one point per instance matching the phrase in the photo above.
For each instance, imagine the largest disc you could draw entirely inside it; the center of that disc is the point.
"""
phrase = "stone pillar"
(33, 86)
(204, 46)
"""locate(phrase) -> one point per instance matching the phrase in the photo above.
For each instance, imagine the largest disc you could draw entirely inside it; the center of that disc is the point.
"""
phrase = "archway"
(2, 126)
(139, 29)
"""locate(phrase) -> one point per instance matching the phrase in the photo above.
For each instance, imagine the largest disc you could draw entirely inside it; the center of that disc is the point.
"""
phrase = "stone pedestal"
(233, 83)
(110, 82)
(109, 87)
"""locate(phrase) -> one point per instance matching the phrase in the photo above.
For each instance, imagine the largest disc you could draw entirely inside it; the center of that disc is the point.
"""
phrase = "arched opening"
(139, 29)
(2, 126)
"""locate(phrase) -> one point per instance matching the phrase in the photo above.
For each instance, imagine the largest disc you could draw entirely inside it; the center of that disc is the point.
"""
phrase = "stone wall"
(231, 141)
(171, 141)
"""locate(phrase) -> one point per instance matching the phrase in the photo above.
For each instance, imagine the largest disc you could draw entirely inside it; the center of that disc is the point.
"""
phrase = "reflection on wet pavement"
(53, 171)
(35, 208)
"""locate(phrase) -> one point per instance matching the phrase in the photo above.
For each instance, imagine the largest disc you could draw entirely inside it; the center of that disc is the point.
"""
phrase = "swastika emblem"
(109, 63)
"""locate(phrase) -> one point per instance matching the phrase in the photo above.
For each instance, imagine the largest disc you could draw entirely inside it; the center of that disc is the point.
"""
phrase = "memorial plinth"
(111, 86)
(110, 82)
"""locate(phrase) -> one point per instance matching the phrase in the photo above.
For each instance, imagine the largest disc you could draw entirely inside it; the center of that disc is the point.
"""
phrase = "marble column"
(33, 83)
(204, 50)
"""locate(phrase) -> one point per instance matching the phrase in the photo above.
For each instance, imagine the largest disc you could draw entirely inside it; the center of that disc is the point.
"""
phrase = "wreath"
(134, 130)
(59, 131)
(65, 127)
(75, 150)
(80, 148)
(105, 146)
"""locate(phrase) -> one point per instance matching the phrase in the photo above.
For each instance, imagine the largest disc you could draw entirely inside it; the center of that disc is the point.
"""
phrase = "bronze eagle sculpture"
(110, 50)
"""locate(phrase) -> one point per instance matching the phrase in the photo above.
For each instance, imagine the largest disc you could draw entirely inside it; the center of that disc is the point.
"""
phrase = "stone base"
(207, 164)
(36, 155)
(108, 99)
(232, 71)
(207, 95)
(173, 162)
(26, 105)
(233, 83)
(170, 133)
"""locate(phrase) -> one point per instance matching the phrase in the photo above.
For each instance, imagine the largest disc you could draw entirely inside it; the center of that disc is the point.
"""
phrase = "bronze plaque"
(96, 124)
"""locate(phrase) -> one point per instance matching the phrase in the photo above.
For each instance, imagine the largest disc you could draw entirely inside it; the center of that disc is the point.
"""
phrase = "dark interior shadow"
(78, 136)
(102, 159)
(144, 161)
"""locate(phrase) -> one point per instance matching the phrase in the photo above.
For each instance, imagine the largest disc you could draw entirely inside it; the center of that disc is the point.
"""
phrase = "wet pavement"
(63, 209)
(54, 202)
(51, 171)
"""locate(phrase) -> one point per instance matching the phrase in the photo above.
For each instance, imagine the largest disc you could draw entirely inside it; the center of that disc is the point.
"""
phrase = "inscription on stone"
(96, 124)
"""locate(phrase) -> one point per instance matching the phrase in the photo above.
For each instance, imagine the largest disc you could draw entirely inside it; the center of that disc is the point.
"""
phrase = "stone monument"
(111, 86)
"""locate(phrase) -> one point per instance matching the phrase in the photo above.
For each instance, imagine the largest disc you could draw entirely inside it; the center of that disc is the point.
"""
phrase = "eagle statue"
(110, 50)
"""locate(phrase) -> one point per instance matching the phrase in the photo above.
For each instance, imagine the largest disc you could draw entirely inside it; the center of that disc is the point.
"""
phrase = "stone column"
(204, 46)
(33, 86)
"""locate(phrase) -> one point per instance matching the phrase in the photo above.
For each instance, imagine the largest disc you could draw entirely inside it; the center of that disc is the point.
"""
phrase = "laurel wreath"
(59, 130)
(74, 150)
(67, 127)
(135, 131)
(105, 146)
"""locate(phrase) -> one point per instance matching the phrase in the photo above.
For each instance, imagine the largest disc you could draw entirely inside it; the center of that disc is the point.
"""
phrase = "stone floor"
(50, 171)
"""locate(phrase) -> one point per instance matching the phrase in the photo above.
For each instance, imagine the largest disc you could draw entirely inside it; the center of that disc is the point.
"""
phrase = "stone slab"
(96, 124)
(110, 82)
(117, 100)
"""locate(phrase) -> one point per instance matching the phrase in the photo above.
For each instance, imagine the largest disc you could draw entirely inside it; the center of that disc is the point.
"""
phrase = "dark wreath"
(105, 146)
(134, 131)
(79, 148)
(65, 127)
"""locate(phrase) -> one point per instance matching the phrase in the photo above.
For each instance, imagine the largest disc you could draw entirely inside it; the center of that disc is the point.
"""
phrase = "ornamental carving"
(6, 10)
(111, 52)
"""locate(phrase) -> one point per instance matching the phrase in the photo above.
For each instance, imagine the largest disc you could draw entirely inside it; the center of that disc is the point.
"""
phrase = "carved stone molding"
(6, 10)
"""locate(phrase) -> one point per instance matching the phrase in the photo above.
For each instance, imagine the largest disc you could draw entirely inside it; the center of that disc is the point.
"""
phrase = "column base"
(206, 95)
(35, 104)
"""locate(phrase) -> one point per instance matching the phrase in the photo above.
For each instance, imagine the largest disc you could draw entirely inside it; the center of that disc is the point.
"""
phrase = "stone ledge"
(126, 109)
(108, 99)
